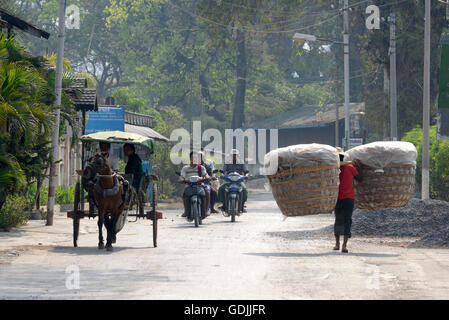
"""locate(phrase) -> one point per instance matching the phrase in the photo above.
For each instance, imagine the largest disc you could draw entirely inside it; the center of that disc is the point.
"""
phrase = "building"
(84, 99)
(314, 124)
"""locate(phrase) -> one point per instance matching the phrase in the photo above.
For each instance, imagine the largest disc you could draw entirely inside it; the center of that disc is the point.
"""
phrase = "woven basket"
(306, 191)
(392, 188)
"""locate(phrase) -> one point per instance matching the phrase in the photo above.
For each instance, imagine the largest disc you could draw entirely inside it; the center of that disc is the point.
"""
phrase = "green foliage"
(14, 212)
(26, 117)
(122, 165)
(439, 162)
(63, 195)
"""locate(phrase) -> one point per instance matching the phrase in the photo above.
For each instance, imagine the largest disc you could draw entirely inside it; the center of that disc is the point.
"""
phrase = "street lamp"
(302, 38)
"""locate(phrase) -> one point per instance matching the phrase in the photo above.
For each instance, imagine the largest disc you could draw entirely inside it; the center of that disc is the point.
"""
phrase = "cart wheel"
(76, 220)
(141, 204)
(154, 213)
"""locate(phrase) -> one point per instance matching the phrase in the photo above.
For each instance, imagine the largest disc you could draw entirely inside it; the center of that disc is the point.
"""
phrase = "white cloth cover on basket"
(300, 156)
(381, 154)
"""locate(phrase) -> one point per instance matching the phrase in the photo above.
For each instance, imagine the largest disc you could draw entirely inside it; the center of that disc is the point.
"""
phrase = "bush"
(62, 195)
(439, 162)
(14, 212)
(65, 195)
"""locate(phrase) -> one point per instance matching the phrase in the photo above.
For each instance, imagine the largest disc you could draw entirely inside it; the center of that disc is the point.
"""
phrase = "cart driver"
(105, 148)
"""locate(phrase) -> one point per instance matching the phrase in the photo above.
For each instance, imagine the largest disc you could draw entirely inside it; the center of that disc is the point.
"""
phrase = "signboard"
(353, 142)
(443, 95)
(107, 118)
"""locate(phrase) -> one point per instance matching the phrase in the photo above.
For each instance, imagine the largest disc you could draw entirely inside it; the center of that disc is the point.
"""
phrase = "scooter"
(195, 195)
(233, 195)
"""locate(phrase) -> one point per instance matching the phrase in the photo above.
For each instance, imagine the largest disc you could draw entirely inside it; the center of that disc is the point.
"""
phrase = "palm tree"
(25, 120)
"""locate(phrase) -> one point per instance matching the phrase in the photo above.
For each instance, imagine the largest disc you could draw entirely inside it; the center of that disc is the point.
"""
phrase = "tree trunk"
(239, 104)
(37, 200)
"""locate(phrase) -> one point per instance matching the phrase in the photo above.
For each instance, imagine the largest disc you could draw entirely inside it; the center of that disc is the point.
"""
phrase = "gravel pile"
(427, 220)
(418, 219)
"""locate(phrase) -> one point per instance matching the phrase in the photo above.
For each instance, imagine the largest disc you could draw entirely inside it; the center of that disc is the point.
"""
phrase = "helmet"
(234, 152)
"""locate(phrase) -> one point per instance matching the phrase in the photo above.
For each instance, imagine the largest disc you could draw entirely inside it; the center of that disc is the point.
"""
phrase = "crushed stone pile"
(417, 219)
(428, 220)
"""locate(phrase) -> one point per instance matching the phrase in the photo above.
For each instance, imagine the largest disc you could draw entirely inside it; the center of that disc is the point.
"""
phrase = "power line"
(226, 26)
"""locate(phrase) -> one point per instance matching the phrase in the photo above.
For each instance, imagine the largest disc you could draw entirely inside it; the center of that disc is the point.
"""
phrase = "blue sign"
(107, 118)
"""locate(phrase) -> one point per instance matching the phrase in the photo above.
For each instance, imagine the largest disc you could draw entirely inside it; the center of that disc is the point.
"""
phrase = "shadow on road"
(226, 221)
(93, 250)
(324, 254)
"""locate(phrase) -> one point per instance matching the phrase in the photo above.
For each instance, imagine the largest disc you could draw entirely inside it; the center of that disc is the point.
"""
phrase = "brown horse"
(108, 195)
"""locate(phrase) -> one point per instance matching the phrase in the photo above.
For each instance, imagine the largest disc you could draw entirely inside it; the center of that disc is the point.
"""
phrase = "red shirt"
(346, 190)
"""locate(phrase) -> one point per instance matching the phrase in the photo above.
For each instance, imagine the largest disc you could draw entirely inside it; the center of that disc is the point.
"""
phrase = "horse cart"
(133, 197)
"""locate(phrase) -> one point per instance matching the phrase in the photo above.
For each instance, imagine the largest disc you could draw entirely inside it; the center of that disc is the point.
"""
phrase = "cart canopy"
(119, 137)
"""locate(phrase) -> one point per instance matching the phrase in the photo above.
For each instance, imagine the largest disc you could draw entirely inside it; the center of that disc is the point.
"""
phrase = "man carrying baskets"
(345, 202)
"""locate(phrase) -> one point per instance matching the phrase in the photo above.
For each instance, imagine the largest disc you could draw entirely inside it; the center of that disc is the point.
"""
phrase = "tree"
(25, 121)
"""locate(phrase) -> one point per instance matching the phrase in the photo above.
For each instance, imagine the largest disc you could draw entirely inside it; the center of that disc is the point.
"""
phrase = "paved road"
(261, 256)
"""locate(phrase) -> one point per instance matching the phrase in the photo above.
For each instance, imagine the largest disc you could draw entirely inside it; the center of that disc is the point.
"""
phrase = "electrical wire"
(226, 26)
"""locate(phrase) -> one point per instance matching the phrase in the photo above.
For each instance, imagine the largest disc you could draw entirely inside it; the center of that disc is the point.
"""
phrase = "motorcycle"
(233, 195)
(195, 195)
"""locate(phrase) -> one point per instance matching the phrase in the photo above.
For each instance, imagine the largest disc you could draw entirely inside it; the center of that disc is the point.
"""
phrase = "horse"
(108, 195)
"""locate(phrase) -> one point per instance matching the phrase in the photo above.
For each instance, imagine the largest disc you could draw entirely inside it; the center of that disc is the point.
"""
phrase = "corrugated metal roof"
(309, 116)
(145, 131)
(139, 119)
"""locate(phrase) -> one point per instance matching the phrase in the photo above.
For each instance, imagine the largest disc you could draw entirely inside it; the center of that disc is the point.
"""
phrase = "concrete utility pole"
(346, 76)
(393, 89)
(386, 94)
(58, 92)
(426, 107)
(337, 121)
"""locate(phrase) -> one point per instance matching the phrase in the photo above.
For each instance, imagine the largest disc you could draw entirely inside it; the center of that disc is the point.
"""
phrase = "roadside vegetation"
(26, 117)
(439, 162)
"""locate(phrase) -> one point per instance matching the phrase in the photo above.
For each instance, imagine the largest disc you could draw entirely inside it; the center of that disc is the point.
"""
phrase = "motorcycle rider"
(189, 171)
(210, 171)
(240, 168)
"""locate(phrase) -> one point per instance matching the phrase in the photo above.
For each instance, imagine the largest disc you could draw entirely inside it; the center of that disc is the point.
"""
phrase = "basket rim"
(282, 172)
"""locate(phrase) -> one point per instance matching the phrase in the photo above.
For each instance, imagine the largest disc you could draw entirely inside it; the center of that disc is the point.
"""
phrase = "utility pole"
(58, 92)
(386, 106)
(393, 87)
(426, 106)
(346, 76)
(337, 121)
